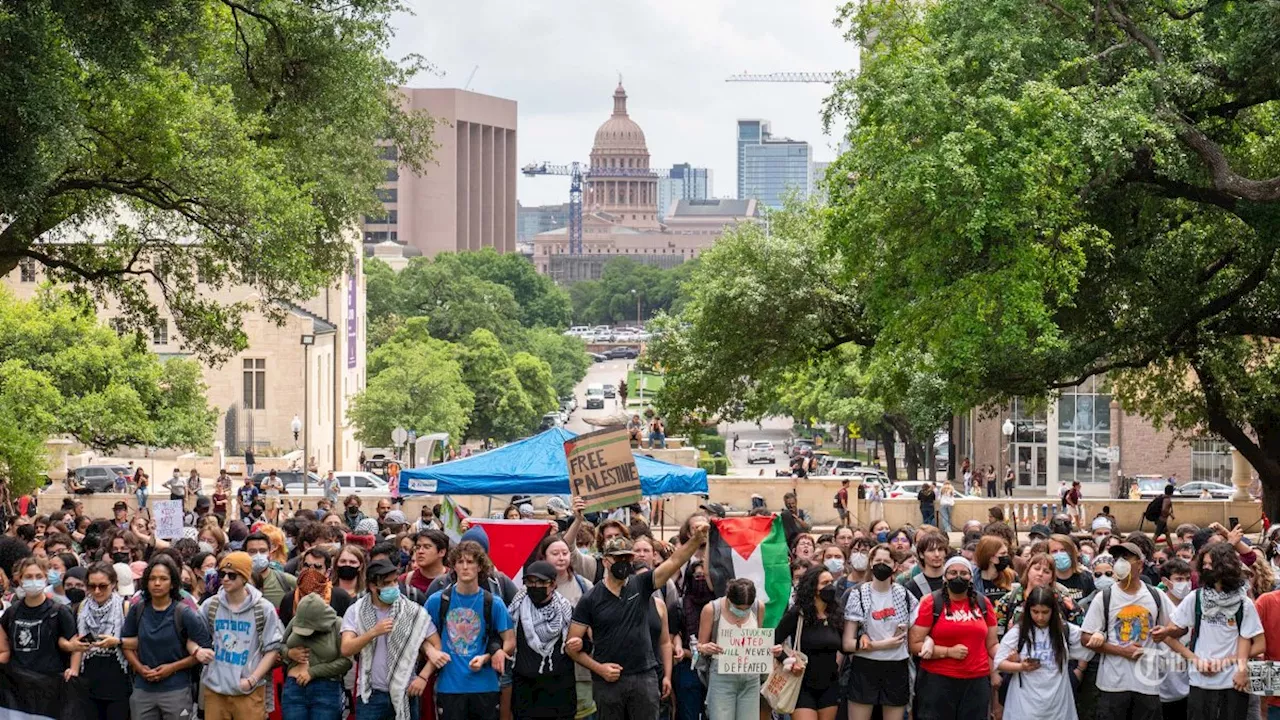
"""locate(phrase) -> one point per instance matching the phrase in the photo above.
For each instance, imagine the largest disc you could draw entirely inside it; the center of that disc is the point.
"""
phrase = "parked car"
(843, 466)
(570, 402)
(1217, 490)
(760, 451)
(292, 478)
(596, 357)
(910, 488)
(1150, 486)
(100, 478)
(622, 353)
(866, 474)
(349, 482)
(610, 391)
(550, 420)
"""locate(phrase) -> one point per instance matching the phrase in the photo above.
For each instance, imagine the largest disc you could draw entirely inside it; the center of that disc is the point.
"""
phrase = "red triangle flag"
(511, 542)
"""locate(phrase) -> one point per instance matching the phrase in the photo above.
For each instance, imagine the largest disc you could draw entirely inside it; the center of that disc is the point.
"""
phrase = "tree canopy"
(196, 144)
(63, 373)
(610, 299)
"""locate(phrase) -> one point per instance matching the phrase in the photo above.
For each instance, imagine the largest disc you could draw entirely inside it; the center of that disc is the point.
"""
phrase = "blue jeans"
(691, 696)
(730, 697)
(317, 700)
(945, 511)
(379, 707)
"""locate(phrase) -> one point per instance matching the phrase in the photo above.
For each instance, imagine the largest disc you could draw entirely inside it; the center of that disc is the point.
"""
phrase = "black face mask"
(539, 595)
(958, 585)
(828, 594)
(621, 570)
(346, 572)
(880, 571)
(1002, 564)
(188, 587)
(75, 595)
(120, 557)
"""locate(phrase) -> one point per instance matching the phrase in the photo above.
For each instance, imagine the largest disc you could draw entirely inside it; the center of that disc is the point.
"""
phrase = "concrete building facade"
(684, 182)
(466, 198)
(771, 168)
(309, 367)
(539, 219)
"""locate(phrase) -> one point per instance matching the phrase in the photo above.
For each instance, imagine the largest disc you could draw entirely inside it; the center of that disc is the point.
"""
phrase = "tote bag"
(782, 689)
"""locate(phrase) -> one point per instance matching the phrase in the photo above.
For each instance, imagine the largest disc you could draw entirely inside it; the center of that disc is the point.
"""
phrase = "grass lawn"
(651, 383)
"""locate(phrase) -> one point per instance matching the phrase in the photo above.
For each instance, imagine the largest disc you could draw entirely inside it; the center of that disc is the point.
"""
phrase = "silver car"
(760, 451)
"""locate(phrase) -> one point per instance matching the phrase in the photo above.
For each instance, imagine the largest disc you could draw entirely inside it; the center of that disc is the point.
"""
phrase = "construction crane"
(793, 77)
(576, 171)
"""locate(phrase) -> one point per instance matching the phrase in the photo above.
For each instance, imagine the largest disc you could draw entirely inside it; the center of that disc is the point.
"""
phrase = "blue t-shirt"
(462, 635)
(159, 642)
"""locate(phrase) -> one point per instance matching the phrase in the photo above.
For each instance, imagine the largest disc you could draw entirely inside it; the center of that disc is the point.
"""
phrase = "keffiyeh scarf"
(542, 625)
(1216, 603)
(410, 625)
(102, 620)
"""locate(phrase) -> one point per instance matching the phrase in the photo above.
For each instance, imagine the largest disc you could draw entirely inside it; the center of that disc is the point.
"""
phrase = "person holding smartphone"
(1038, 653)
(877, 615)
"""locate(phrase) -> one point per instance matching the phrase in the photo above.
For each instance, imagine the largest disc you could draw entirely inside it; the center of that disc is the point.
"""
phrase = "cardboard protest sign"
(602, 470)
(745, 651)
(168, 517)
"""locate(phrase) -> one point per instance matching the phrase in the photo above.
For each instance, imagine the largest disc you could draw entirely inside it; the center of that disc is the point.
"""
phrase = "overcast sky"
(560, 60)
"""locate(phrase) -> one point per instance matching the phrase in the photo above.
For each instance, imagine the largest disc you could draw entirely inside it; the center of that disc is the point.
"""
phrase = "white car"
(760, 451)
(910, 488)
(1217, 491)
(843, 466)
(349, 482)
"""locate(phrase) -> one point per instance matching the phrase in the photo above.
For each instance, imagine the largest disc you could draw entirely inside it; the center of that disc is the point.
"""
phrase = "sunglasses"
(228, 575)
(1108, 573)
(100, 586)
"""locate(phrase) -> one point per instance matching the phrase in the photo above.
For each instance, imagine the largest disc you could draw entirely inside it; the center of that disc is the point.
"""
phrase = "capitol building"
(620, 210)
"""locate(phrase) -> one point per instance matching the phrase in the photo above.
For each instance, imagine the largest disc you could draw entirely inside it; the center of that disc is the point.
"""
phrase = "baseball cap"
(380, 569)
(120, 505)
(1129, 548)
(1101, 523)
(541, 570)
(618, 546)
(395, 517)
(136, 568)
(1040, 529)
(715, 509)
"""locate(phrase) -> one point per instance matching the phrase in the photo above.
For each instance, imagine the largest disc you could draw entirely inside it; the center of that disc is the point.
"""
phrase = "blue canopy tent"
(536, 466)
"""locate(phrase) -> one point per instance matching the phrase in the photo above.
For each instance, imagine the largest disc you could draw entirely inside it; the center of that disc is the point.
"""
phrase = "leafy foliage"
(63, 373)
(196, 144)
(610, 299)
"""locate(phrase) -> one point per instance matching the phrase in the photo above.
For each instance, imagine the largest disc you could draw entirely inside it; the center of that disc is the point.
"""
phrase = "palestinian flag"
(451, 516)
(512, 542)
(755, 548)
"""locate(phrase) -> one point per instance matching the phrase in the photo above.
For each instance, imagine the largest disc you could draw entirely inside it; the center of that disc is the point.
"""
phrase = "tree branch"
(1132, 30)
(1224, 178)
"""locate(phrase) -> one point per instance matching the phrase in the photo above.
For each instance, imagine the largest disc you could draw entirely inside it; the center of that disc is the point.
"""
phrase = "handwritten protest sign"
(746, 651)
(602, 470)
(1264, 677)
(168, 516)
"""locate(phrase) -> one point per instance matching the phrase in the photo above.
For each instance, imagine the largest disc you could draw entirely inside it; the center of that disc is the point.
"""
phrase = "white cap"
(1101, 523)
(957, 560)
(124, 580)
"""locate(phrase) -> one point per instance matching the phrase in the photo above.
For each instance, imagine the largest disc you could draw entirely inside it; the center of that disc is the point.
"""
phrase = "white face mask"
(1122, 569)
(1180, 589)
(858, 561)
(835, 566)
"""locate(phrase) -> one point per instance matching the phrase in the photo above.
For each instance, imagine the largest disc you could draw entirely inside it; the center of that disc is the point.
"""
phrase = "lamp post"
(296, 426)
(635, 294)
(307, 341)
(1007, 430)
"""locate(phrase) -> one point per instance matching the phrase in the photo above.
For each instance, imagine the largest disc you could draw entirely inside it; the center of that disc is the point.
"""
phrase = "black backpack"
(1154, 508)
(492, 640)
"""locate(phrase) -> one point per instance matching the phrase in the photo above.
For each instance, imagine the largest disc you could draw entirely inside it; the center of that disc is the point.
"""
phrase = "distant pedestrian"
(248, 462)
(926, 497)
(990, 476)
(1008, 481)
(735, 441)
(842, 501)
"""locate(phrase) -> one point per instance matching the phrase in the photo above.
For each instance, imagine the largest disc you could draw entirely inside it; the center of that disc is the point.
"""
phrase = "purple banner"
(353, 330)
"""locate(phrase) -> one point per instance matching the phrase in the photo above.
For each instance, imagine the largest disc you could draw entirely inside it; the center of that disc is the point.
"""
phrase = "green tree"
(196, 144)
(384, 295)
(566, 356)
(610, 299)
(503, 409)
(63, 373)
(534, 375)
(454, 301)
(415, 381)
(542, 302)
(1040, 192)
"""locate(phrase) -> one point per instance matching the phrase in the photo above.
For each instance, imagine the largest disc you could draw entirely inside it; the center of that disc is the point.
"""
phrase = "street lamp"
(1007, 429)
(635, 294)
(307, 340)
(296, 426)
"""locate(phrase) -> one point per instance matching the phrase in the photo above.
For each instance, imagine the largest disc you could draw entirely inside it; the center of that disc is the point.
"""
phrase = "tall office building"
(770, 168)
(684, 183)
(539, 219)
(466, 198)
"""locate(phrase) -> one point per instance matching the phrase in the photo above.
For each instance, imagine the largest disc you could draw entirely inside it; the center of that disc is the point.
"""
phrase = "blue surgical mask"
(834, 566)
(1061, 561)
(404, 558)
(882, 536)
(389, 595)
(259, 561)
(739, 612)
(1103, 582)
(55, 577)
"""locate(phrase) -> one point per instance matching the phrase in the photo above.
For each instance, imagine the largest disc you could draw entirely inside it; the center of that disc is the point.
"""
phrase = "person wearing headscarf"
(314, 578)
(313, 638)
(543, 684)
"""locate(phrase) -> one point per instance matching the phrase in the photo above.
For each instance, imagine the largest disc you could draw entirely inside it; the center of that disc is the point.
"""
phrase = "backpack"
(259, 615)
(1154, 508)
(1195, 630)
(194, 671)
(939, 599)
(491, 636)
(703, 667)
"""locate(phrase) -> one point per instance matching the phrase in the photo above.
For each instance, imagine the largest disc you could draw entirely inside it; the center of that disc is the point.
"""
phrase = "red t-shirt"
(958, 625)
(1269, 613)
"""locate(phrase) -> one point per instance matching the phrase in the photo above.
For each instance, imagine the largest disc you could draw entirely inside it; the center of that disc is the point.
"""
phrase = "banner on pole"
(602, 470)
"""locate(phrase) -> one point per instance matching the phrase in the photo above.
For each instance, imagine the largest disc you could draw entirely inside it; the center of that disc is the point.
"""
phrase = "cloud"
(560, 61)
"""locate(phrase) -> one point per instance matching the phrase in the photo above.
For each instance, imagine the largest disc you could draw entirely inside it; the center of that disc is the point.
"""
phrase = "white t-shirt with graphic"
(1131, 620)
(1217, 639)
(1044, 693)
(880, 619)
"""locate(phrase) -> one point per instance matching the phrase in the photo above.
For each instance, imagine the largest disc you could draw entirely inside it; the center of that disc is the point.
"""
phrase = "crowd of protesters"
(333, 613)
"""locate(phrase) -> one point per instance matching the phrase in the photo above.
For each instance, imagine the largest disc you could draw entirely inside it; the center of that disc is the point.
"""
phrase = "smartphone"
(1034, 662)
(89, 638)
(1232, 522)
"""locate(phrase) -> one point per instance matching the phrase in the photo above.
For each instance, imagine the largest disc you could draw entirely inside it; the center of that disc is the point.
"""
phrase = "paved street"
(775, 429)
(608, 372)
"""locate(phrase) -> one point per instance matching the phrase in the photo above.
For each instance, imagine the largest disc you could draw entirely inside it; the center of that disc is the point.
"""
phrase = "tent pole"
(489, 512)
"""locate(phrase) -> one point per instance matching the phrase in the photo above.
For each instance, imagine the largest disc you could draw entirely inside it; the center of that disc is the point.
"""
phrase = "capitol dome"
(620, 132)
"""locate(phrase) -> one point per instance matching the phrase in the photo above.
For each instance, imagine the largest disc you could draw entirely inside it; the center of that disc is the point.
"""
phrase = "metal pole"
(306, 419)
